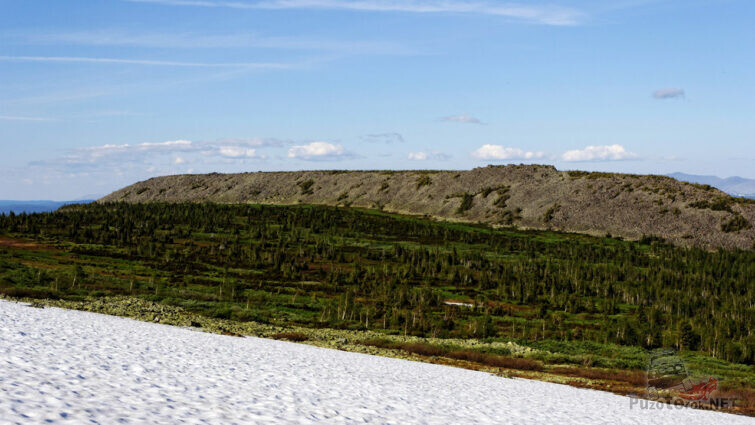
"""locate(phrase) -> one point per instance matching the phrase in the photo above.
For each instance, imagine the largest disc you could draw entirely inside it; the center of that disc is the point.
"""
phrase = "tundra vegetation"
(581, 305)
(527, 196)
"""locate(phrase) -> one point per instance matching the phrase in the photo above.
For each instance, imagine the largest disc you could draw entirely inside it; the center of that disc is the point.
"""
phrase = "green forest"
(356, 269)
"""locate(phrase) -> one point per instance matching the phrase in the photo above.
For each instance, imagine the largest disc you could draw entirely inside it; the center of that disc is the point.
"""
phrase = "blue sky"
(98, 95)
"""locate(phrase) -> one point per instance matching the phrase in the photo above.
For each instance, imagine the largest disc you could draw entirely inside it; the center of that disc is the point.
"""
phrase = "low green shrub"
(467, 200)
(306, 187)
(423, 180)
(735, 224)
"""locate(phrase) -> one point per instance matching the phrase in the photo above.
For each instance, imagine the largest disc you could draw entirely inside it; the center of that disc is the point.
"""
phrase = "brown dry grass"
(19, 244)
(745, 398)
(430, 350)
(290, 336)
(633, 377)
(495, 360)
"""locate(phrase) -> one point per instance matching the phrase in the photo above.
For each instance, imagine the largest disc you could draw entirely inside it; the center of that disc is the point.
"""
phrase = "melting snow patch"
(458, 304)
(61, 366)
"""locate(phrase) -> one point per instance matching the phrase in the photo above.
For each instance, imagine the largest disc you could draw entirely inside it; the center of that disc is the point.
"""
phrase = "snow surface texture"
(61, 366)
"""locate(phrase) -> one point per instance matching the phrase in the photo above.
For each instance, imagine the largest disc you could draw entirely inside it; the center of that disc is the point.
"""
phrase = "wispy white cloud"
(318, 151)
(237, 152)
(464, 119)
(78, 59)
(168, 152)
(82, 116)
(598, 153)
(110, 166)
(668, 94)
(66, 95)
(498, 152)
(186, 40)
(110, 153)
(538, 14)
(17, 118)
(85, 93)
(433, 156)
(387, 138)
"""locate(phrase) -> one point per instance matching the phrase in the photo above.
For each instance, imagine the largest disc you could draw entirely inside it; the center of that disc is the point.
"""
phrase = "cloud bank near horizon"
(318, 151)
(598, 153)
(499, 152)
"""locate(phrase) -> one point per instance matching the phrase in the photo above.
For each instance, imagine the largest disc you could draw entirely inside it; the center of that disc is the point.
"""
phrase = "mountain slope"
(528, 196)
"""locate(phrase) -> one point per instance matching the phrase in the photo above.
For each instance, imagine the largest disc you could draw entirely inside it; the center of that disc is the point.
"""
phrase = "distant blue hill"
(736, 186)
(18, 207)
